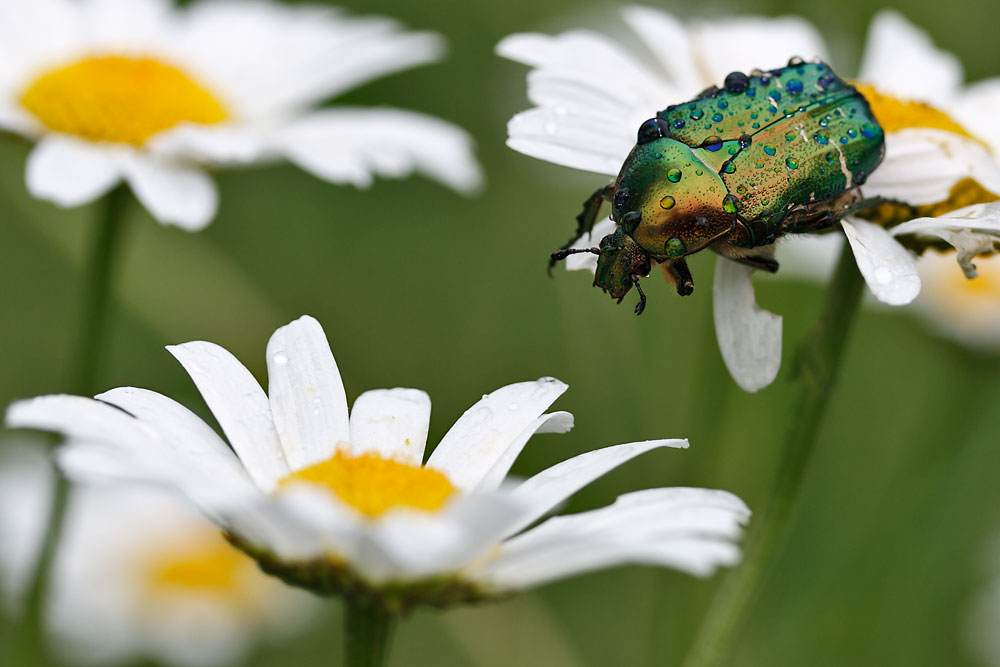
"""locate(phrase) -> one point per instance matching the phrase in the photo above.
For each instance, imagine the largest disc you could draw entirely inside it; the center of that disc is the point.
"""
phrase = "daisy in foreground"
(591, 95)
(137, 573)
(345, 505)
(139, 91)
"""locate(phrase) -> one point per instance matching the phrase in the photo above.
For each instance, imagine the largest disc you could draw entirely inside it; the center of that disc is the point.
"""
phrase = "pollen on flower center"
(202, 561)
(372, 484)
(895, 114)
(119, 99)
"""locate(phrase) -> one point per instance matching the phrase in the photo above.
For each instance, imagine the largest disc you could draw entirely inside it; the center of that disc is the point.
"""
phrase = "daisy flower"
(137, 574)
(142, 92)
(932, 162)
(344, 503)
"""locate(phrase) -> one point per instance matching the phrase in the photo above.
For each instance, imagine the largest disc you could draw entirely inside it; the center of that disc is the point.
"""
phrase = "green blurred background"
(417, 286)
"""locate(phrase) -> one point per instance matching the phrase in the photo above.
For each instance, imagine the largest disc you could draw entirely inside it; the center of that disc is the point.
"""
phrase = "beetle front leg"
(641, 306)
(584, 221)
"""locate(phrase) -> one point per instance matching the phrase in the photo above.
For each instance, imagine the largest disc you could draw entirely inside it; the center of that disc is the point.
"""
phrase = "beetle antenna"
(559, 255)
(641, 306)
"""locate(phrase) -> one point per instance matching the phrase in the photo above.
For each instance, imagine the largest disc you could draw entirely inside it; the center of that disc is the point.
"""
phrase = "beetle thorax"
(673, 203)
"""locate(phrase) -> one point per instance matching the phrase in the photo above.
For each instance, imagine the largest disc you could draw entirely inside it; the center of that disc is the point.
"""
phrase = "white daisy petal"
(571, 140)
(77, 417)
(567, 556)
(422, 545)
(553, 485)
(212, 144)
(484, 433)
(687, 529)
(307, 398)
(182, 430)
(670, 41)
(901, 59)
(300, 55)
(392, 423)
(749, 337)
(972, 230)
(26, 481)
(70, 171)
(887, 266)
(979, 102)
(239, 405)
(752, 42)
(557, 422)
(173, 194)
(351, 145)
(922, 165)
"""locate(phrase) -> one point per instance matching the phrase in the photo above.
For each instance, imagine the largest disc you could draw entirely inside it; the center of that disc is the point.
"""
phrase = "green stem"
(90, 342)
(818, 363)
(368, 630)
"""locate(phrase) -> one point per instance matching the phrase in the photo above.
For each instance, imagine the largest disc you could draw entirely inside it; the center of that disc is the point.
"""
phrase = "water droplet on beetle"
(730, 204)
(745, 140)
(793, 86)
(821, 138)
(791, 163)
(667, 202)
(868, 130)
(770, 150)
(712, 144)
(697, 114)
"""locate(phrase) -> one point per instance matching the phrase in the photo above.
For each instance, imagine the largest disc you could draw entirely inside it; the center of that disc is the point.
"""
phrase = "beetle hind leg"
(584, 222)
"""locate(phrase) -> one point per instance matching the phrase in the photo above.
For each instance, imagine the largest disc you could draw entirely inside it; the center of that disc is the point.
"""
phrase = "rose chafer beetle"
(772, 153)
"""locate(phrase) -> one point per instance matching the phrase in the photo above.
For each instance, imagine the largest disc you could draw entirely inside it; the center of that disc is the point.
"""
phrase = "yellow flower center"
(896, 114)
(372, 484)
(203, 561)
(120, 99)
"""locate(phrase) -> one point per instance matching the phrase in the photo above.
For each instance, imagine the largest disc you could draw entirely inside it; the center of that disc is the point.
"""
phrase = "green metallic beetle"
(771, 153)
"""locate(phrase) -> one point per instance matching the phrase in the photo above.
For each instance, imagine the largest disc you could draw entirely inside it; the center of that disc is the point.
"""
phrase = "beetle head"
(621, 261)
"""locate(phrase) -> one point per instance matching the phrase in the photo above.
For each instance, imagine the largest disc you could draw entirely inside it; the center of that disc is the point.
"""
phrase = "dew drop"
(770, 150)
(717, 117)
(698, 172)
(791, 163)
(745, 140)
(697, 114)
(789, 136)
(667, 202)
(821, 138)
(730, 204)
(674, 247)
(674, 175)
(793, 86)
(712, 144)
(868, 130)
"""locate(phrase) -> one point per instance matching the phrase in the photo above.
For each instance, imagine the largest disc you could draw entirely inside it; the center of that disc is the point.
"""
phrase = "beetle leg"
(679, 273)
(586, 219)
(566, 252)
(762, 262)
(641, 306)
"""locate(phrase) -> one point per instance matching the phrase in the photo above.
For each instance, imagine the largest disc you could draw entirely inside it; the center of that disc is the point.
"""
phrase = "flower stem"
(367, 631)
(817, 365)
(90, 341)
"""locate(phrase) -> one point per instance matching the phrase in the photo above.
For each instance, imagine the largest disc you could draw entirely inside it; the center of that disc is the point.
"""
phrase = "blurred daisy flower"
(342, 503)
(139, 91)
(933, 163)
(137, 575)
